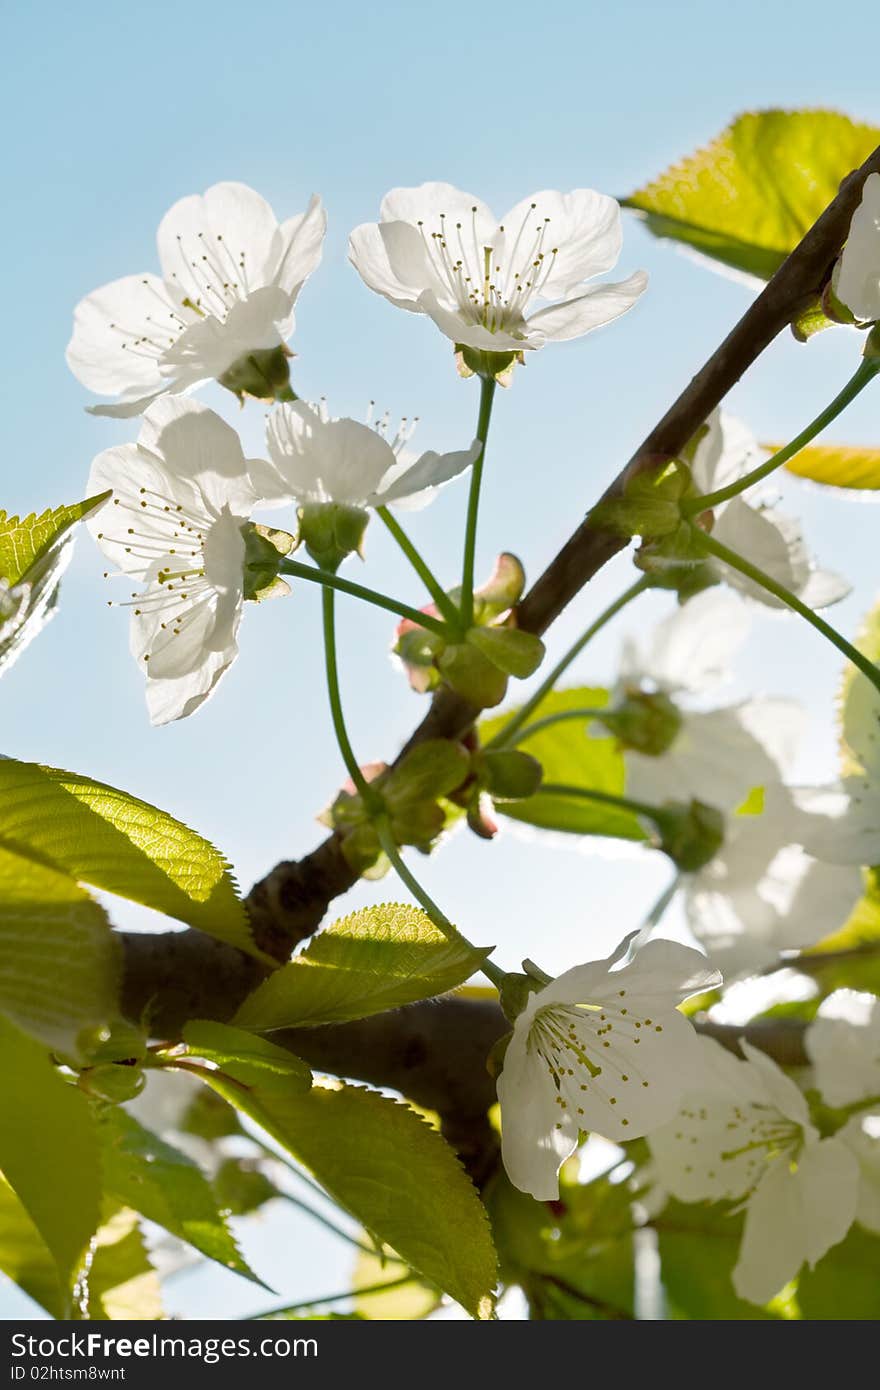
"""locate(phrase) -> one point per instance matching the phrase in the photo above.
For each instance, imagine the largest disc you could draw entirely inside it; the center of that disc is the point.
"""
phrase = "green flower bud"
(123, 1042)
(472, 674)
(649, 506)
(513, 652)
(690, 833)
(115, 1082)
(647, 723)
(263, 374)
(510, 775)
(330, 531)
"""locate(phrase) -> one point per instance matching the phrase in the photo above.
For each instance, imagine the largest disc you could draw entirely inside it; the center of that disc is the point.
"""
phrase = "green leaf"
(380, 1161)
(166, 1187)
(241, 1186)
(34, 554)
(121, 1284)
(375, 959)
(574, 1259)
(854, 466)
(404, 1302)
(568, 753)
(699, 1246)
(49, 1150)
(750, 196)
(25, 1257)
(59, 960)
(844, 1285)
(24, 542)
(112, 840)
(251, 1059)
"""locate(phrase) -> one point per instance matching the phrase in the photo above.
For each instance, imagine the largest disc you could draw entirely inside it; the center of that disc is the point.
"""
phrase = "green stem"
(658, 911)
(506, 735)
(334, 1298)
(487, 395)
(867, 370)
(428, 578)
(347, 586)
(440, 920)
(623, 803)
(550, 719)
(764, 581)
(362, 786)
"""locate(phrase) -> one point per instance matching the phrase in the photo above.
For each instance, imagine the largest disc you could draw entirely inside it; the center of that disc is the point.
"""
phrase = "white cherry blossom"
(230, 277)
(857, 275)
(770, 539)
(763, 893)
(717, 755)
(598, 1049)
(353, 463)
(438, 251)
(181, 496)
(843, 1044)
(745, 1133)
(842, 822)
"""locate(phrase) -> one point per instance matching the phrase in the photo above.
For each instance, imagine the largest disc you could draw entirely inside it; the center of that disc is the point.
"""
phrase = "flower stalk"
(757, 576)
(487, 396)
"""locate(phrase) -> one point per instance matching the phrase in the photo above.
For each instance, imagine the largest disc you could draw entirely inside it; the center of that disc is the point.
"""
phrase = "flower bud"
(691, 833)
(331, 530)
(115, 1082)
(509, 775)
(263, 373)
(472, 675)
(647, 723)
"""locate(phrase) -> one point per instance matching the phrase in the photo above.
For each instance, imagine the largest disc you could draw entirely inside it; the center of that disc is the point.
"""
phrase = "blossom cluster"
(606, 1047)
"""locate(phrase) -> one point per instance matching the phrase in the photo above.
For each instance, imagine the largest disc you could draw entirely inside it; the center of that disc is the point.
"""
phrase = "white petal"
(327, 460)
(120, 332)
(779, 1089)
(843, 1043)
(368, 254)
(691, 648)
(583, 235)
(716, 756)
(302, 242)
(209, 347)
(573, 317)
(415, 483)
(795, 1217)
(429, 202)
(861, 722)
(199, 450)
(858, 279)
(774, 543)
(536, 1134)
(726, 451)
(459, 329)
(762, 894)
(204, 239)
(131, 536)
(861, 1134)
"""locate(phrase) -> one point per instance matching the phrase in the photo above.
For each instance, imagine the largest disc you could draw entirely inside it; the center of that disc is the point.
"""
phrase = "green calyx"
(330, 531)
(515, 992)
(263, 374)
(492, 366)
(264, 550)
(644, 722)
(691, 833)
(649, 506)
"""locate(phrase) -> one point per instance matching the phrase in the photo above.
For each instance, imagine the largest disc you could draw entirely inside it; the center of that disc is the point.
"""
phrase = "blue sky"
(113, 112)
